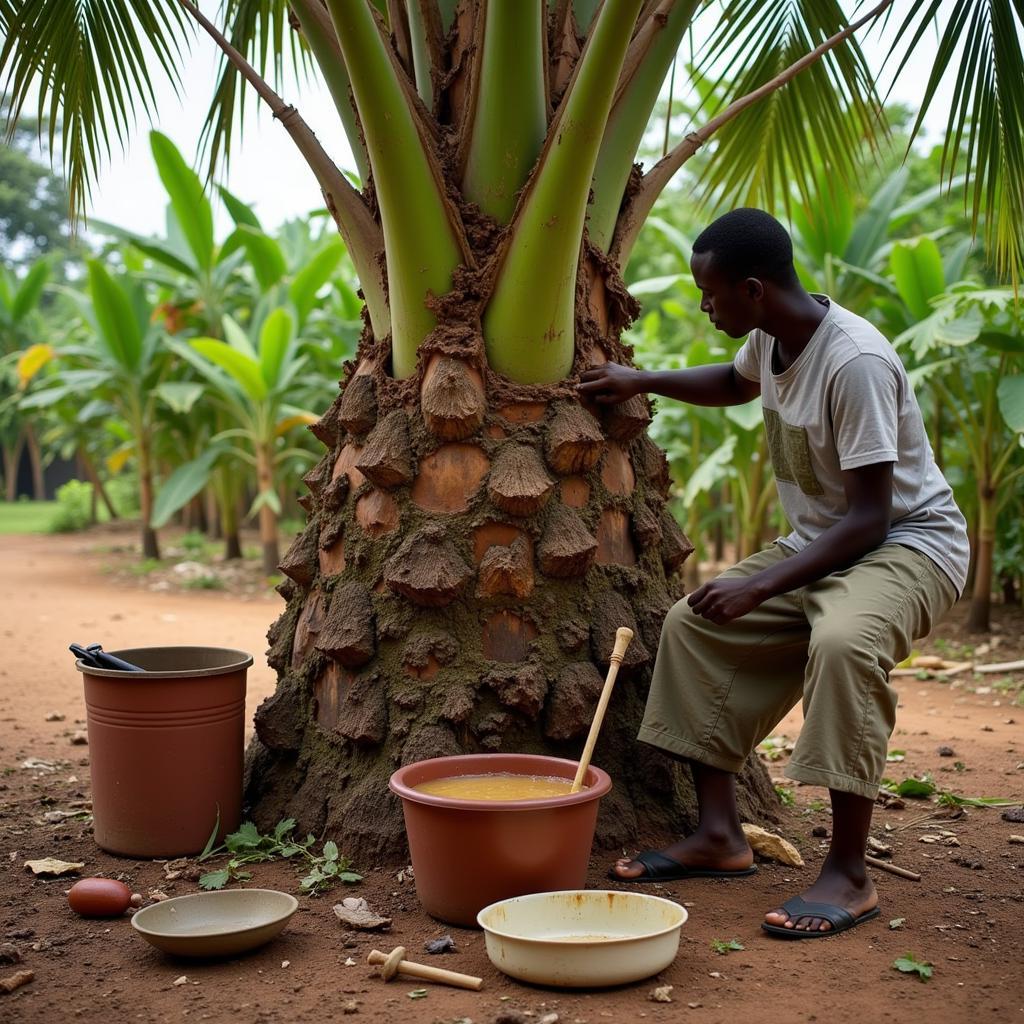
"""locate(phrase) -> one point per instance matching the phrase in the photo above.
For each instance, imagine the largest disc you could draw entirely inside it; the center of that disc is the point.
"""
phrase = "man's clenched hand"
(722, 600)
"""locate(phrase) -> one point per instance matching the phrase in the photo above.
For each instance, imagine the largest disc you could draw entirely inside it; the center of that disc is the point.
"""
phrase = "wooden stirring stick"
(395, 963)
(622, 637)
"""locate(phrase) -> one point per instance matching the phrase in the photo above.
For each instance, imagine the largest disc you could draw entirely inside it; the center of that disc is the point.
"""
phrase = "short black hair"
(749, 243)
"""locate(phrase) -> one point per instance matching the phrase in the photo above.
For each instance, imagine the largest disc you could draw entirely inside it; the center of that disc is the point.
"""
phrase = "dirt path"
(964, 916)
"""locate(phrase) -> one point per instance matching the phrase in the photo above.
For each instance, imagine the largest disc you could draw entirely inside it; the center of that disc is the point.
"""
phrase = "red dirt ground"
(964, 919)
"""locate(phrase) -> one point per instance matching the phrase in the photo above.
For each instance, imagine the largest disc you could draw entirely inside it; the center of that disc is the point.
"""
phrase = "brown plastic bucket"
(166, 748)
(467, 854)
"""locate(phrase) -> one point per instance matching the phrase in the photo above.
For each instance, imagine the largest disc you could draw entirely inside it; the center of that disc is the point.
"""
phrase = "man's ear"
(755, 288)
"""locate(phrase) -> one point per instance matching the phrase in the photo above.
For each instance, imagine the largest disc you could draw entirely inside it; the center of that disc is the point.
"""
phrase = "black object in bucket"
(95, 657)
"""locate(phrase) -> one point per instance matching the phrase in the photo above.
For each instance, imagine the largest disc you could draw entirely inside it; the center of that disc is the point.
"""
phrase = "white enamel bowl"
(582, 938)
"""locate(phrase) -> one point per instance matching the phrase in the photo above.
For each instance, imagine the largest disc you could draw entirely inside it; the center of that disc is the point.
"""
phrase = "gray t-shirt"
(846, 402)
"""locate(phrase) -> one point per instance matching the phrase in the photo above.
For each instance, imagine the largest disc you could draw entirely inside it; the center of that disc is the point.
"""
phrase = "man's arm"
(864, 527)
(717, 384)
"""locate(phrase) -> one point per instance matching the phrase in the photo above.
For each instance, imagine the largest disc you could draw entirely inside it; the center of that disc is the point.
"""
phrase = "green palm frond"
(822, 115)
(260, 31)
(979, 42)
(89, 62)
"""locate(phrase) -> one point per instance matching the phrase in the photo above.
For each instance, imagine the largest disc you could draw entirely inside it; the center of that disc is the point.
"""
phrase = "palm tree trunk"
(978, 618)
(267, 516)
(150, 545)
(35, 456)
(214, 527)
(98, 489)
(12, 460)
(457, 588)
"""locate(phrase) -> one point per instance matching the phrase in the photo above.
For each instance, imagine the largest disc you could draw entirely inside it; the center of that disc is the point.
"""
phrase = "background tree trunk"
(12, 457)
(35, 457)
(978, 618)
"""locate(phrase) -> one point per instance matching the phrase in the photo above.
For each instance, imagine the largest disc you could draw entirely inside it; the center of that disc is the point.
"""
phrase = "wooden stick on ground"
(893, 869)
(1005, 666)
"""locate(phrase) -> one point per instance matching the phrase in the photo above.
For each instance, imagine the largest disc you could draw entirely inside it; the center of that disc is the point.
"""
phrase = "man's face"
(734, 307)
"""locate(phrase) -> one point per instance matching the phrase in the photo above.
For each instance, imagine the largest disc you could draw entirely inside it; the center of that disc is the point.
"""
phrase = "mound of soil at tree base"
(962, 918)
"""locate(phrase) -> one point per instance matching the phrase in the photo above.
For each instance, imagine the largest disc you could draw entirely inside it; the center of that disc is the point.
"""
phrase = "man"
(877, 554)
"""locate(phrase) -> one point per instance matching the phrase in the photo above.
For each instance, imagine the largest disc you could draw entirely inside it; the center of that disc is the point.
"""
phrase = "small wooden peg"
(394, 963)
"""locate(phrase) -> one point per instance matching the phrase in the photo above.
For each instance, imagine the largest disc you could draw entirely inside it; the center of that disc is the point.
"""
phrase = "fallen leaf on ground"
(897, 922)
(770, 845)
(39, 765)
(1017, 839)
(52, 866)
(662, 994)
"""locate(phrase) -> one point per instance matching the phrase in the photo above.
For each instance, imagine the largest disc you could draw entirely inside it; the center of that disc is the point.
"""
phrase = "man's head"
(739, 262)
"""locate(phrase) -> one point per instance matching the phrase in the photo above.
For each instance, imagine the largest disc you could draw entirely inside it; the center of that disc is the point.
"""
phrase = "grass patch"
(204, 583)
(27, 516)
(143, 568)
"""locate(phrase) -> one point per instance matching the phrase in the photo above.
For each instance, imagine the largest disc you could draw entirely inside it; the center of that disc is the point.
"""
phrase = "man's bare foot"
(700, 850)
(855, 895)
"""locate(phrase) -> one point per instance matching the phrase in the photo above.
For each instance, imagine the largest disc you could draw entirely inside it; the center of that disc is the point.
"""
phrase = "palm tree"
(476, 532)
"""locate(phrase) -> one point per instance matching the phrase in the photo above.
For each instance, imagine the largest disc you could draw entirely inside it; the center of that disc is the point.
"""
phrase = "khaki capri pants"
(717, 691)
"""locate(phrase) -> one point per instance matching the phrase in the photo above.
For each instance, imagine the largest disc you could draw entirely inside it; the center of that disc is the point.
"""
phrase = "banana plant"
(970, 350)
(120, 361)
(251, 376)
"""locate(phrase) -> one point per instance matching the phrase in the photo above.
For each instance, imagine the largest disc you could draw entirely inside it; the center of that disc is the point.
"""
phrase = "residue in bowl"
(497, 786)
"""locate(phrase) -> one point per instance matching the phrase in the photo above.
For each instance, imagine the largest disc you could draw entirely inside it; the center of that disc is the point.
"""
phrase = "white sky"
(266, 170)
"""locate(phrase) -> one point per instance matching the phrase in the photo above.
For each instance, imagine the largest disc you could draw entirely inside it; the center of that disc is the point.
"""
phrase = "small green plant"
(248, 846)
(908, 964)
(193, 544)
(896, 755)
(785, 795)
(772, 747)
(208, 582)
(721, 947)
(947, 799)
(817, 804)
(145, 567)
(912, 787)
(74, 507)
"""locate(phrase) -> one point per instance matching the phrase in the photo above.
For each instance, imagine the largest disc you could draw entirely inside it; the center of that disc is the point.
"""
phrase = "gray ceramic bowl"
(215, 923)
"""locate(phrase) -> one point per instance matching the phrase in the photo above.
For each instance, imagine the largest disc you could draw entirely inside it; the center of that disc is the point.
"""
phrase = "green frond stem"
(633, 217)
(529, 324)
(360, 233)
(426, 39)
(564, 48)
(422, 233)
(509, 109)
(648, 59)
(399, 26)
(319, 32)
